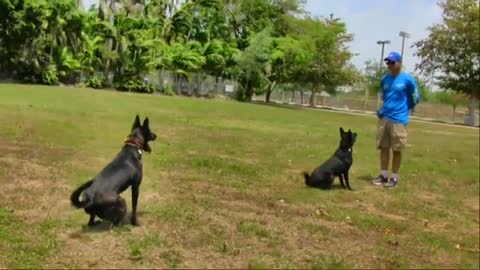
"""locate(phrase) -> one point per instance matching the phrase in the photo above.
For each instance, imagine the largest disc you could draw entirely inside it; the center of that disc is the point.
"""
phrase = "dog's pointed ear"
(342, 131)
(145, 123)
(136, 122)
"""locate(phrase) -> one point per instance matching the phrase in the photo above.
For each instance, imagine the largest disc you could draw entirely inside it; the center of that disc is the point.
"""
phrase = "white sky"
(372, 20)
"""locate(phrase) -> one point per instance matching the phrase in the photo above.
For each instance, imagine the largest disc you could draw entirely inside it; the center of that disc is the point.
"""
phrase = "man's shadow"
(366, 178)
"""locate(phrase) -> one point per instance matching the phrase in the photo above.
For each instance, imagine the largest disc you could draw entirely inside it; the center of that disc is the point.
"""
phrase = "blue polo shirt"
(400, 94)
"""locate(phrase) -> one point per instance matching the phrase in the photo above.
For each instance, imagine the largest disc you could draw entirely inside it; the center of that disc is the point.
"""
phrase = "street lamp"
(381, 42)
(404, 35)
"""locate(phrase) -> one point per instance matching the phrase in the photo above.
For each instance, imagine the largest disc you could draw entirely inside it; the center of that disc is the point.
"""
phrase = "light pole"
(404, 35)
(381, 42)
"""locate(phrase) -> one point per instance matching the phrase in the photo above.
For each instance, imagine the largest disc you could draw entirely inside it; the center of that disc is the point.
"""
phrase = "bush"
(133, 84)
(50, 75)
(426, 94)
(168, 90)
(450, 98)
(96, 82)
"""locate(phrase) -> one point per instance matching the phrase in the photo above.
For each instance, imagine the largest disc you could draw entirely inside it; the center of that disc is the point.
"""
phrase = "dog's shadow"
(331, 188)
(100, 226)
(335, 187)
(104, 226)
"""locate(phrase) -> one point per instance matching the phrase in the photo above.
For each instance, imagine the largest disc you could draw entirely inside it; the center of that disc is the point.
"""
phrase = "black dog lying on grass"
(338, 165)
(101, 195)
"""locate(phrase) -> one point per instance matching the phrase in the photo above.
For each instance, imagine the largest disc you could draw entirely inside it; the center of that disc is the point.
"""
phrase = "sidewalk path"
(356, 112)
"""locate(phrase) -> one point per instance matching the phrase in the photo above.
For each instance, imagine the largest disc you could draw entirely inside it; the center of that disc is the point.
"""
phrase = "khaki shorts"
(391, 135)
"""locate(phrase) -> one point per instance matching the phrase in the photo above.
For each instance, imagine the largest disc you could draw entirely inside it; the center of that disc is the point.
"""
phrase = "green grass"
(22, 246)
(252, 228)
(222, 187)
(137, 246)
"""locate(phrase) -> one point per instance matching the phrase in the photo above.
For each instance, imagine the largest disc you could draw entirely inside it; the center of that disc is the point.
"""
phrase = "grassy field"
(222, 187)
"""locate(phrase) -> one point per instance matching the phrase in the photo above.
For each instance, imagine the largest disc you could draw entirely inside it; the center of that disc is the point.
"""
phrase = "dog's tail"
(307, 178)
(75, 197)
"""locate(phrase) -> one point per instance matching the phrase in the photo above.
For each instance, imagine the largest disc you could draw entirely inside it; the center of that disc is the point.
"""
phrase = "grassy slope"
(223, 188)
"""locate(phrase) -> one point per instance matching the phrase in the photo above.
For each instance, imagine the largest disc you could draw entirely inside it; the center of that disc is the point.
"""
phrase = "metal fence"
(355, 101)
(197, 84)
(203, 85)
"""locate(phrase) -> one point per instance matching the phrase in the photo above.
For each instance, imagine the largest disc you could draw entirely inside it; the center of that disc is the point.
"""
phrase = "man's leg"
(383, 144)
(385, 159)
(399, 141)
(396, 162)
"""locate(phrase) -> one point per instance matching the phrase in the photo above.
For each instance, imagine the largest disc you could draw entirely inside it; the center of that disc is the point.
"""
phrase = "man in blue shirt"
(400, 95)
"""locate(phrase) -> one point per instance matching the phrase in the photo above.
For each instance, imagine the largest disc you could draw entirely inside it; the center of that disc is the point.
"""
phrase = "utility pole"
(404, 35)
(382, 43)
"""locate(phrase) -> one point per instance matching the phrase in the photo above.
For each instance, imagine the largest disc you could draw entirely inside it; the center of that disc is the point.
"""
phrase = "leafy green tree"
(284, 56)
(452, 48)
(256, 42)
(326, 56)
(423, 87)
(253, 64)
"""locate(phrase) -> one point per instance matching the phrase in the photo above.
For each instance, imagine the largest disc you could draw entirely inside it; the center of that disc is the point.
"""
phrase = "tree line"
(261, 44)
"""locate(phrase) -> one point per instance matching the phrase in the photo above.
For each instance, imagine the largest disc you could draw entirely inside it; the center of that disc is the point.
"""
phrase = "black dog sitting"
(101, 195)
(338, 165)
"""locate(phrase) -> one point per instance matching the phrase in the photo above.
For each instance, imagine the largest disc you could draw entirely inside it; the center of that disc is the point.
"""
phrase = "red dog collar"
(133, 142)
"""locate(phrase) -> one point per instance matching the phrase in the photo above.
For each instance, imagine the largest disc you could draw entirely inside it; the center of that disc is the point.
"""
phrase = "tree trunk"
(267, 97)
(160, 79)
(270, 89)
(293, 96)
(365, 99)
(82, 76)
(301, 97)
(249, 92)
(111, 18)
(454, 112)
(198, 83)
(312, 99)
(176, 82)
(472, 104)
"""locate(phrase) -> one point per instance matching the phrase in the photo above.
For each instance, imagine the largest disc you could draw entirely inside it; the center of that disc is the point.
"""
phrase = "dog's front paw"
(134, 222)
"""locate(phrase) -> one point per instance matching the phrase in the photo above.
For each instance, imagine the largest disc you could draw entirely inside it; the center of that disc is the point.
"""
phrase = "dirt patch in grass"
(472, 203)
(101, 249)
(32, 189)
(252, 221)
(428, 196)
(370, 209)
